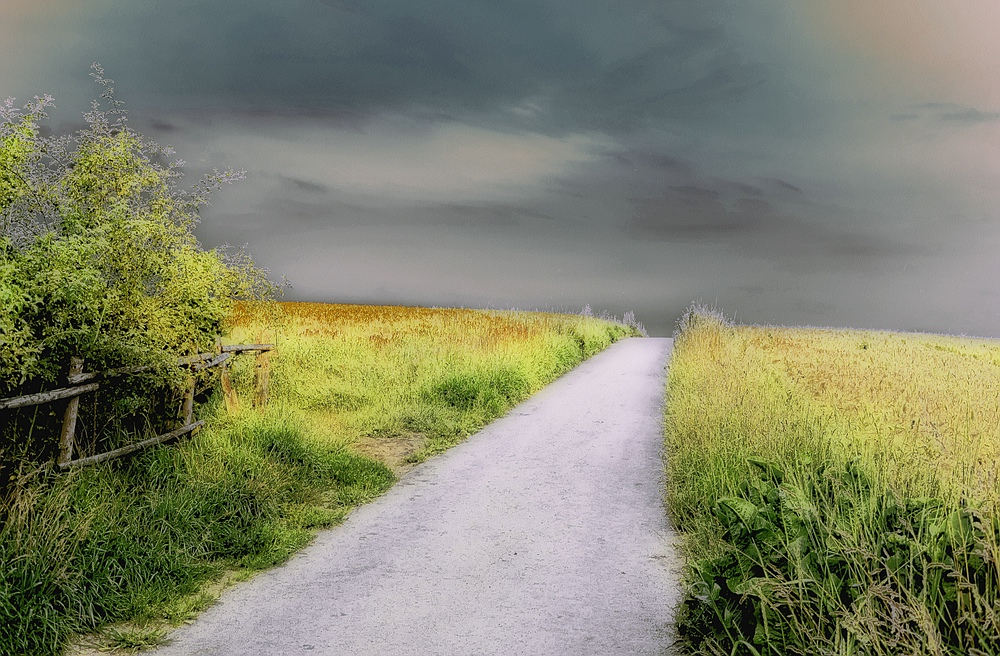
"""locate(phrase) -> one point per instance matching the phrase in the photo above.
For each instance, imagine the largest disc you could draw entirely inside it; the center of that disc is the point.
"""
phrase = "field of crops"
(838, 490)
(121, 551)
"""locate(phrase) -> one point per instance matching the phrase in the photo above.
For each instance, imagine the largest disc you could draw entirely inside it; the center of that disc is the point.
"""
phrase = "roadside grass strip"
(119, 552)
(410, 382)
(837, 490)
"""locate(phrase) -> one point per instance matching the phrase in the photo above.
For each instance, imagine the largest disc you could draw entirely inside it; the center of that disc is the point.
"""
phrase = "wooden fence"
(81, 383)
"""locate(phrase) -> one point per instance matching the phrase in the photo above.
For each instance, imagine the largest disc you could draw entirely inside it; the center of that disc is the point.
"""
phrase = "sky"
(825, 163)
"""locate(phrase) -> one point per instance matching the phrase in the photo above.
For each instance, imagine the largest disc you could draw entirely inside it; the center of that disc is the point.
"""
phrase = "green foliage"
(824, 562)
(18, 351)
(98, 260)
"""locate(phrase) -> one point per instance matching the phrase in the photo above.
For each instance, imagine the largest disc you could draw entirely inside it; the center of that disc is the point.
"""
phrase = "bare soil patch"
(393, 451)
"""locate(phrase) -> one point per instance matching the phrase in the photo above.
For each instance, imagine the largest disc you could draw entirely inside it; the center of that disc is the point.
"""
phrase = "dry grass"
(922, 405)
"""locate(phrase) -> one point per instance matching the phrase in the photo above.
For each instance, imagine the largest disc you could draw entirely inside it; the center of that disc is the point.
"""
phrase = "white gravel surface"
(545, 533)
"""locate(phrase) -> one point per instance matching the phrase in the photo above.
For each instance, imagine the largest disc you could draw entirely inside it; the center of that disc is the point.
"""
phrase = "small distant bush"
(698, 314)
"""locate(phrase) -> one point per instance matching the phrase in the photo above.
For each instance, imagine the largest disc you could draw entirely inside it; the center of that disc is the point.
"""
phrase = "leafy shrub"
(812, 554)
(98, 260)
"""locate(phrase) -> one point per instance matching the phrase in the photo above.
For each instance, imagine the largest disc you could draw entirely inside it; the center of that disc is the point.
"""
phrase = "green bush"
(98, 260)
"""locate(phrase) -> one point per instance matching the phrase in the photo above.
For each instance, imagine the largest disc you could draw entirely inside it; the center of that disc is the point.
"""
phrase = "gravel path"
(545, 533)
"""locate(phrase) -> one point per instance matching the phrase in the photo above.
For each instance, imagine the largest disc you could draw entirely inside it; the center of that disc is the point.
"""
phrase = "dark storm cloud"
(487, 216)
(750, 225)
(749, 190)
(587, 66)
(784, 186)
(307, 213)
(630, 154)
(970, 115)
(354, 56)
(655, 161)
(162, 126)
(678, 90)
(757, 221)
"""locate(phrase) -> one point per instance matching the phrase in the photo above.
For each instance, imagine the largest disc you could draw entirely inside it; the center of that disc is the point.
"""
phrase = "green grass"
(117, 542)
(135, 545)
(837, 490)
(372, 377)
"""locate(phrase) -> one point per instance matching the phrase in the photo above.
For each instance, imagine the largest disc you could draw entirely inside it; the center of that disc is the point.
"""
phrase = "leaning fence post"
(228, 393)
(69, 418)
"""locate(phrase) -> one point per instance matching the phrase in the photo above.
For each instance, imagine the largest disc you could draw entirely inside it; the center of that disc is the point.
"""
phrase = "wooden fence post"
(69, 418)
(188, 408)
(228, 393)
(263, 378)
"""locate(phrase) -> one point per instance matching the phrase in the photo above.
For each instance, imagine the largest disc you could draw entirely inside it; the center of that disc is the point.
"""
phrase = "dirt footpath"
(545, 533)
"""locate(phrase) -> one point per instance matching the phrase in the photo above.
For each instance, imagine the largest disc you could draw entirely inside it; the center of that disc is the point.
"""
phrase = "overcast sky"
(832, 162)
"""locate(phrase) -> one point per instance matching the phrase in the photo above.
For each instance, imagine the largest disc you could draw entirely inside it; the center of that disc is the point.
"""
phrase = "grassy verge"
(404, 383)
(838, 490)
(141, 540)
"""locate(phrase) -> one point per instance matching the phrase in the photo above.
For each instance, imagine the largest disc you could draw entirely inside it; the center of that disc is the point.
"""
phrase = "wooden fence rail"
(132, 448)
(47, 397)
(196, 362)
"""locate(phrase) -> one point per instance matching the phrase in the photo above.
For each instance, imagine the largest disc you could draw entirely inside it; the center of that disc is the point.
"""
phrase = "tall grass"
(366, 375)
(126, 541)
(139, 539)
(838, 490)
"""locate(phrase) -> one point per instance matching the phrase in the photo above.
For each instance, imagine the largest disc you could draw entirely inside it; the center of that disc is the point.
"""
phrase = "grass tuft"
(134, 639)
